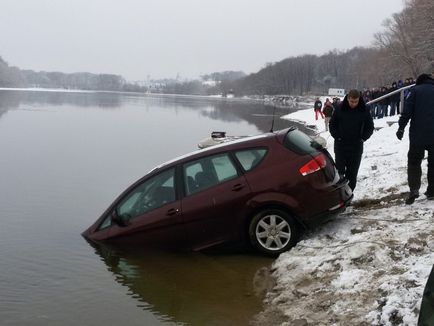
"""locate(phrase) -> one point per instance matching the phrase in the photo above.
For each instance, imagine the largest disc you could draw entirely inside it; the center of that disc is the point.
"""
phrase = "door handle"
(237, 187)
(172, 211)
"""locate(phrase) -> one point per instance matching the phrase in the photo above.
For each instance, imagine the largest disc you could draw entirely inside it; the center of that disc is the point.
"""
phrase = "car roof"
(214, 149)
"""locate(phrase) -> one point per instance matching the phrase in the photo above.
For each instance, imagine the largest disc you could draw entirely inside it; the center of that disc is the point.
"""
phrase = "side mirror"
(117, 219)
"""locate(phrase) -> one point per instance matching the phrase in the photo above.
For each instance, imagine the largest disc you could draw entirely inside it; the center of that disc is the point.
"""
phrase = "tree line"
(15, 77)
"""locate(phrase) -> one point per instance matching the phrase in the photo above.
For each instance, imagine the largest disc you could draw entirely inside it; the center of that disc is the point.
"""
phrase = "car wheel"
(272, 231)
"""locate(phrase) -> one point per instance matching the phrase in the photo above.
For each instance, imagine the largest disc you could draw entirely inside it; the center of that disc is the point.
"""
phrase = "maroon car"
(263, 190)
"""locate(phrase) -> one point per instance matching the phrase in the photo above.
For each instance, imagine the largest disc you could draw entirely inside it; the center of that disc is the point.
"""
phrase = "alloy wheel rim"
(273, 232)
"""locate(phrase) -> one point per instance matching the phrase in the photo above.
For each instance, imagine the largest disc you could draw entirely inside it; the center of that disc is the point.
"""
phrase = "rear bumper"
(342, 195)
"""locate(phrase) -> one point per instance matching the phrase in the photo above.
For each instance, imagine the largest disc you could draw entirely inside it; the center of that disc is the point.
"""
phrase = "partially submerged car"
(263, 190)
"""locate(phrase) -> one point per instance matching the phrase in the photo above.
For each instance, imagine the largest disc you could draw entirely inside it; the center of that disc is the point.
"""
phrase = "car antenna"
(272, 121)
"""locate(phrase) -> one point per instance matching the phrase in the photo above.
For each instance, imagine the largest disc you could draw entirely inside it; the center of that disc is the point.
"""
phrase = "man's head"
(422, 79)
(353, 98)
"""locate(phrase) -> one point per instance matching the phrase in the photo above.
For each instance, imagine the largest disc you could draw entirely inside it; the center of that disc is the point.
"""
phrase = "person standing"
(317, 108)
(351, 125)
(328, 112)
(394, 99)
(419, 108)
(400, 84)
(382, 104)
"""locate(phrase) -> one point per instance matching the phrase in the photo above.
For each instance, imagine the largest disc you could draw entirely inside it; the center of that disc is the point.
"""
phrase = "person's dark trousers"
(392, 108)
(380, 111)
(348, 158)
(372, 110)
(414, 169)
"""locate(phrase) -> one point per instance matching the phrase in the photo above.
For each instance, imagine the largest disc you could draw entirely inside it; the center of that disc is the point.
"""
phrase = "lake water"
(64, 157)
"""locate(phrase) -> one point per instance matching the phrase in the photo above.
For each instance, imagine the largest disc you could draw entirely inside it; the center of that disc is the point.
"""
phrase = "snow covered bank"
(369, 265)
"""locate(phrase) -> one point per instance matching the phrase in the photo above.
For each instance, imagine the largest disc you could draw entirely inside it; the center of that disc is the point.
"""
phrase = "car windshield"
(300, 143)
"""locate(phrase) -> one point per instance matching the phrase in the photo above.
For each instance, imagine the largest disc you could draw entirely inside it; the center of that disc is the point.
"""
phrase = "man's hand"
(399, 134)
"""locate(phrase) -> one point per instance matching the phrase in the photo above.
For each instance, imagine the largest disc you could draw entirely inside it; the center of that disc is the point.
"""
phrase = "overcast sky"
(163, 38)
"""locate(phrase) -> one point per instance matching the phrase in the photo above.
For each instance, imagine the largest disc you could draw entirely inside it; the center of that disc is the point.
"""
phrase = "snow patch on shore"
(369, 265)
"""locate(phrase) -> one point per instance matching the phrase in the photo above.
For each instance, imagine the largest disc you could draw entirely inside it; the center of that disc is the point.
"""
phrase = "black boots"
(413, 195)
(411, 198)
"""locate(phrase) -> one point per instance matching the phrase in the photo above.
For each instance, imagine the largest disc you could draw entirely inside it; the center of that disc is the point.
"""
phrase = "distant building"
(210, 83)
(336, 92)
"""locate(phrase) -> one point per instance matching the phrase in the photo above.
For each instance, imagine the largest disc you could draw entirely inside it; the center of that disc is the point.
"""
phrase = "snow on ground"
(369, 265)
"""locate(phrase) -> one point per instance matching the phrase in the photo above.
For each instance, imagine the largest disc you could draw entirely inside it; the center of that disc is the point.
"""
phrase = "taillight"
(315, 164)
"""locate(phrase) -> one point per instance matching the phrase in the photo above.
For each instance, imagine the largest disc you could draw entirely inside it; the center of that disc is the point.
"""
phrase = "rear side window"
(300, 143)
(251, 157)
(207, 172)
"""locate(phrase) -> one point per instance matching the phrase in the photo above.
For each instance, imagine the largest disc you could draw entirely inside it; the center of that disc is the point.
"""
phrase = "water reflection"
(192, 288)
(10, 99)
(255, 113)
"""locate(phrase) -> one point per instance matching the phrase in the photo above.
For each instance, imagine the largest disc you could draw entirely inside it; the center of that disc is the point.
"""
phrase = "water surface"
(64, 157)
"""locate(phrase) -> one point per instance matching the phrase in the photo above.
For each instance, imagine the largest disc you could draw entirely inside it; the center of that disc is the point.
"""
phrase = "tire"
(273, 231)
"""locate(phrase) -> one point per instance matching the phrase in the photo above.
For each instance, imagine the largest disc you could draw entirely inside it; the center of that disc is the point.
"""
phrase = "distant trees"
(9, 76)
(305, 74)
(14, 77)
(191, 87)
(224, 76)
(81, 80)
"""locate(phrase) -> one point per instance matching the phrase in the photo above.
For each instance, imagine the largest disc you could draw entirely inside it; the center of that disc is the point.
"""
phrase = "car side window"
(151, 194)
(207, 172)
(250, 158)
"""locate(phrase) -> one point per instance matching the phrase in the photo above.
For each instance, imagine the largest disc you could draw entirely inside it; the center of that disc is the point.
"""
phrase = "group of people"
(351, 124)
(388, 106)
(327, 110)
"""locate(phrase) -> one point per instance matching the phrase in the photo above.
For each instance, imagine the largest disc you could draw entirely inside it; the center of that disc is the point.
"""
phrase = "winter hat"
(422, 78)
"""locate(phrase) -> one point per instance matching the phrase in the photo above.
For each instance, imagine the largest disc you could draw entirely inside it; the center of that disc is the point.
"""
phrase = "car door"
(214, 201)
(150, 214)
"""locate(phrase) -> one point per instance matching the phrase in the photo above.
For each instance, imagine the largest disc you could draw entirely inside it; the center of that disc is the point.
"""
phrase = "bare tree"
(409, 36)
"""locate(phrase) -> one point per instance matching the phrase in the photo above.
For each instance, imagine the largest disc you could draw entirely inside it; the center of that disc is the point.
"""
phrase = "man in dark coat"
(419, 108)
(351, 125)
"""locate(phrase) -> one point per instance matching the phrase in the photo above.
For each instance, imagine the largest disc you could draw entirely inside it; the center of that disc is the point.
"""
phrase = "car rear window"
(251, 157)
(300, 143)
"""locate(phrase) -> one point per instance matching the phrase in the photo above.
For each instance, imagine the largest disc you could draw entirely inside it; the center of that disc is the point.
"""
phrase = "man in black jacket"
(351, 125)
(419, 108)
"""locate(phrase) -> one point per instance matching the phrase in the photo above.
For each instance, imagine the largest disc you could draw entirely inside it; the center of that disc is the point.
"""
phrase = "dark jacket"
(419, 108)
(328, 109)
(395, 97)
(317, 106)
(384, 101)
(351, 126)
